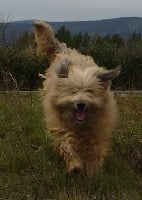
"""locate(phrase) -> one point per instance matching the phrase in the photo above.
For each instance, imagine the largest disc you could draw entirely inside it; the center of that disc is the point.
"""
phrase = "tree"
(76, 40)
(64, 35)
(24, 40)
(3, 28)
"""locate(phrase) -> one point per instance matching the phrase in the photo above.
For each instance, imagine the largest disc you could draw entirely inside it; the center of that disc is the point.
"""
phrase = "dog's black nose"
(81, 106)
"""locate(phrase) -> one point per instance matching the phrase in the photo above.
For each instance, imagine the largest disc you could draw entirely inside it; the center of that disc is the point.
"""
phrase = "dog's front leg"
(68, 148)
(93, 166)
(95, 158)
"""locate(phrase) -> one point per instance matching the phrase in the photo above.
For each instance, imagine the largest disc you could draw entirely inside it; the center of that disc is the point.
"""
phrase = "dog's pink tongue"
(80, 115)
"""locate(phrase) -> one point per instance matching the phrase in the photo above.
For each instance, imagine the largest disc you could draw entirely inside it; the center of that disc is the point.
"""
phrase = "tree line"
(20, 65)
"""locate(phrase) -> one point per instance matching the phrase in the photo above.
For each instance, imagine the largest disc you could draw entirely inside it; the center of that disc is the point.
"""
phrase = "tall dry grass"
(31, 170)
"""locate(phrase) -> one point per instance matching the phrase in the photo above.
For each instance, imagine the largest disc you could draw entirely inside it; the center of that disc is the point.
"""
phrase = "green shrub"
(20, 69)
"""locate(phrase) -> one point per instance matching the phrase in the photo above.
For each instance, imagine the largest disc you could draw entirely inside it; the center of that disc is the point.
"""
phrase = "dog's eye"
(89, 91)
(73, 92)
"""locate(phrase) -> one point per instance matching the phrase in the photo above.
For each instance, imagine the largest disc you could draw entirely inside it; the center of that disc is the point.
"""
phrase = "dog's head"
(81, 93)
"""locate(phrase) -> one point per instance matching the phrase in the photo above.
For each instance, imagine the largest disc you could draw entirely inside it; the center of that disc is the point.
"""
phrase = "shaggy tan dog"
(79, 107)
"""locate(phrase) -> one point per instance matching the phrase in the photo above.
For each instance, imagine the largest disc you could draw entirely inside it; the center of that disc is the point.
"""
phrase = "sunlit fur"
(82, 145)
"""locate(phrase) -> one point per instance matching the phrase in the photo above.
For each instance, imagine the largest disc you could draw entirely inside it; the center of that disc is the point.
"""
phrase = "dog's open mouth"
(80, 112)
(80, 115)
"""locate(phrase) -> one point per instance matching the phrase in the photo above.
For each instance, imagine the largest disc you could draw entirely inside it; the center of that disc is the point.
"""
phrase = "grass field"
(30, 170)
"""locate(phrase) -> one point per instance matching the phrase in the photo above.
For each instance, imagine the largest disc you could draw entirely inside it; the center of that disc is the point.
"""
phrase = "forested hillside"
(123, 26)
(20, 65)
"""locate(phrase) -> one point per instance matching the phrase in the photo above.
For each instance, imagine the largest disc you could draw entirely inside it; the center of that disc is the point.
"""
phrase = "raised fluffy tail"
(47, 44)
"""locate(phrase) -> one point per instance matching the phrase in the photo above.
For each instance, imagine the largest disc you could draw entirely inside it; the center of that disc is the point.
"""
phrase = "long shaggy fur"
(79, 107)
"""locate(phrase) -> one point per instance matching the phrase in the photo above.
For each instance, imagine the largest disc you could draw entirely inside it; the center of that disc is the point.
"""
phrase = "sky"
(65, 10)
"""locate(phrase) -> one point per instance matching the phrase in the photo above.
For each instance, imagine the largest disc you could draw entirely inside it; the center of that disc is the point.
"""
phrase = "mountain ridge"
(123, 26)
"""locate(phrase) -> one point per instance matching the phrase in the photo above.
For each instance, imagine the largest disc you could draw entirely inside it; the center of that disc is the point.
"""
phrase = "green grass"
(30, 170)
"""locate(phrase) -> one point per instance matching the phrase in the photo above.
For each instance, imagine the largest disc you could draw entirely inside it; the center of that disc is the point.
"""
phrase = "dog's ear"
(110, 74)
(39, 26)
(62, 68)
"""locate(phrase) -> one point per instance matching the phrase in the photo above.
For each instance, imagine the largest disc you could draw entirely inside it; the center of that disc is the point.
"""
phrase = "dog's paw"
(92, 169)
(76, 170)
(75, 166)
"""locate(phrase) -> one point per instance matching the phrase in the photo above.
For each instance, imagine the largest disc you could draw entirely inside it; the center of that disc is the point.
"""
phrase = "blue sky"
(65, 10)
